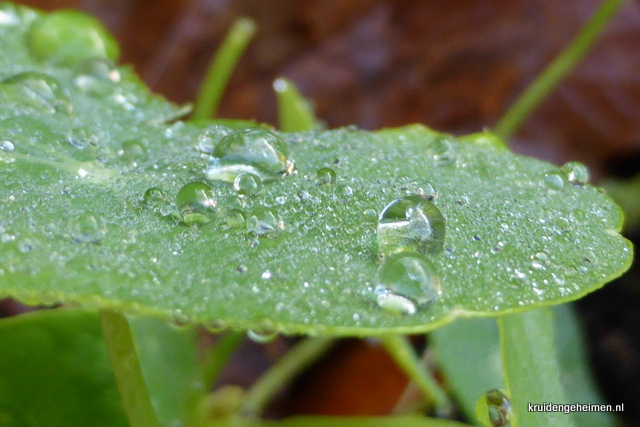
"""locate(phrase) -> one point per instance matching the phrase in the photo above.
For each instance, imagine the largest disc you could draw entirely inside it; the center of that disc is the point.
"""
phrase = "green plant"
(232, 226)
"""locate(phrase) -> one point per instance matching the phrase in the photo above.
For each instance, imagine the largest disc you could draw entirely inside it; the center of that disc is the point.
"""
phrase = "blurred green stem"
(302, 355)
(126, 368)
(221, 67)
(405, 356)
(549, 79)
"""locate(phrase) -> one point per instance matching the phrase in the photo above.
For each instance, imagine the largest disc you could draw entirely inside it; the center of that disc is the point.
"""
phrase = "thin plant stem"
(283, 371)
(126, 368)
(549, 79)
(218, 356)
(405, 356)
(221, 67)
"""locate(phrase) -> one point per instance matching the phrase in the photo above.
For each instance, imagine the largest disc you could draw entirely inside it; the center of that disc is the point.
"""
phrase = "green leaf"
(531, 368)
(54, 368)
(295, 113)
(468, 354)
(54, 371)
(84, 147)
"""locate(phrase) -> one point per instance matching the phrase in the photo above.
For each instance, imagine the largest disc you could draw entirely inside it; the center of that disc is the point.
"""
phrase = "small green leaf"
(88, 215)
(54, 371)
(295, 113)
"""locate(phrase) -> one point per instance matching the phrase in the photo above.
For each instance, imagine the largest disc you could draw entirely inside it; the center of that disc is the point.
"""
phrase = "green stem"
(126, 368)
(218, 356)
(221, 67)
(531, 367)
(405, 356)
(283, 371)
(549, 79)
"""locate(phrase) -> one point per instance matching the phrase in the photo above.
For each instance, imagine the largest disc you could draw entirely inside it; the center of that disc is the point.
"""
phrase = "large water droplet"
(88, 228)
(405, 282)
(97, 76)
(495, 407)
(410, 223)
(256, 151)
(263, 221)
(210, 136)
(68, 37)
(36, 90)
(196, 203)
(247, 184)
(576, 172)
(443, 152)
(325, 176)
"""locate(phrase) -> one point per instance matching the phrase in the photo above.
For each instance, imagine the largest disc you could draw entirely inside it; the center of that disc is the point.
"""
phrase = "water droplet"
(325, 176)
(256, 151)
(410, 223)
(343, 193)
(235, 218)
(406, 281)
(37, 90)
(264, 333)
(576, 172)
(196, 203)
(26, 245)
(442, 151)
(68, 37)
(266, 275)
(6, 146)
(263, 221)
(88, 228)
(133, 151)
(540, 260)
(210, 136)
(97, 76)
(494, 407)
(247, 184)
(157, 200)
(554, 180)
(242, 268)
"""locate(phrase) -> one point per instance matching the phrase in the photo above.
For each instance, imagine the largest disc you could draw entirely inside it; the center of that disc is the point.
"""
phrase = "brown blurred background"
(453, 65)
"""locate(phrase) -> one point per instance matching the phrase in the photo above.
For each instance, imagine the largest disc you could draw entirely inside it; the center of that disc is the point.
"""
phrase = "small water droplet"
(540, 260)
(6, 146)
(210, 136)
(280, 200)
(26, 245)
(343, 193)
(263, 221)
(196, 203)
(97, 76)
(242, 268)
(88, 228)
(554, 180)
(256, 151)
(264, 333)
(266, 275)
(576, 173)
(235, 218)
(325, 176)
(133, 151)
(36, 90)
(406, 281)
(443, 152)
(247, 184)
(410, 223)
(495, 407)
(156, 200)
